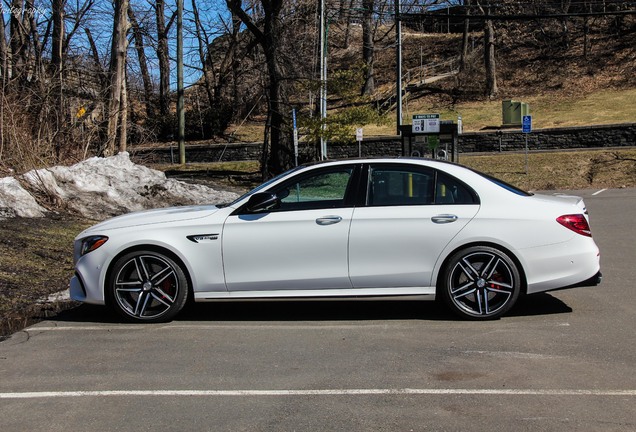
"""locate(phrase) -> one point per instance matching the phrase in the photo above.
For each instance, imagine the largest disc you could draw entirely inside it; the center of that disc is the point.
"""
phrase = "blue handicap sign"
(526, 124)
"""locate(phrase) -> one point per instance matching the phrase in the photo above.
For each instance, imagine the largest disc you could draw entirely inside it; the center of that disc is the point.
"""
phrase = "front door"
(300, 245)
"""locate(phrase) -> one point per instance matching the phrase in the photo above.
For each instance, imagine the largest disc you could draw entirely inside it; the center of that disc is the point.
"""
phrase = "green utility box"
(513, 111)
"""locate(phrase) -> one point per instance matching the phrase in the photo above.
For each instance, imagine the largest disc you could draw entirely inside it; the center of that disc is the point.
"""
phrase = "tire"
(480, 283)
(147, 286)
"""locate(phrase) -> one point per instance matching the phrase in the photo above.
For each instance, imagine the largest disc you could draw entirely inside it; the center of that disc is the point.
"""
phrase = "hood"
(148, 217)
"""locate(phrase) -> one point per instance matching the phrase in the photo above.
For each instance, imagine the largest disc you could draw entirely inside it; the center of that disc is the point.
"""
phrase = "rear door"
(412, 212)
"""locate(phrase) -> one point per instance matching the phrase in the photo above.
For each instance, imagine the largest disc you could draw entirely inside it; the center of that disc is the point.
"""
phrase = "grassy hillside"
(564, 85)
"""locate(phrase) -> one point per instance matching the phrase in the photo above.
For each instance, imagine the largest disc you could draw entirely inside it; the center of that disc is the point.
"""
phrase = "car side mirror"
(262, 201)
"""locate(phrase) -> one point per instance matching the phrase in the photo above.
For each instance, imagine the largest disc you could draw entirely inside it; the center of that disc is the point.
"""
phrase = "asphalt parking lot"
(560, 361)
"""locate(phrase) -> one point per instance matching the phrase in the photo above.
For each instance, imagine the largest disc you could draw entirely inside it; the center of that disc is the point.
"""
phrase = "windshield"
(264, 185)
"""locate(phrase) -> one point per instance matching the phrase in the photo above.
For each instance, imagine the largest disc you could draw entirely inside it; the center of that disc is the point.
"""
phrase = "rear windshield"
(505, 185)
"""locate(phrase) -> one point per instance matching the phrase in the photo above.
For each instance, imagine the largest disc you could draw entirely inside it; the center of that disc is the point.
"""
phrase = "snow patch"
(16, 201)
(99, 188)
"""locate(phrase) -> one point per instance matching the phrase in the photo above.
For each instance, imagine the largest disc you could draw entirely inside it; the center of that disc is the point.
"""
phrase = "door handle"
(328, 220)
(444, 218)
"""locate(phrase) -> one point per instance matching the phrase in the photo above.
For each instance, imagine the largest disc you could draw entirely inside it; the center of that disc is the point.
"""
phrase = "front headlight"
(89, 244)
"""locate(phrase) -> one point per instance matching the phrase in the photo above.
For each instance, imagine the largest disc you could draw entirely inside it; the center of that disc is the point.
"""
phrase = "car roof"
(397, 159)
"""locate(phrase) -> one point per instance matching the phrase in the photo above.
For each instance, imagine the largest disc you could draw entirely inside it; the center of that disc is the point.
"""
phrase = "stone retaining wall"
(620, 135)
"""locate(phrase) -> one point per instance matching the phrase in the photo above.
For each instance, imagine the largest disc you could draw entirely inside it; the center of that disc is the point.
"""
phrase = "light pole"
(180, 104)
(398, 64)
(323, 81)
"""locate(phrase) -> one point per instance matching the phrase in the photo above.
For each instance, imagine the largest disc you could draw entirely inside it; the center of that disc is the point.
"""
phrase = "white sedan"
(388, 228)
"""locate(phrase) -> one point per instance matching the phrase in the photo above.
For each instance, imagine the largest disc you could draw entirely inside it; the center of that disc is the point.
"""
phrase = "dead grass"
(548, 111)
(37, 254)
(37, 260)
(562, 87)
(560, 170)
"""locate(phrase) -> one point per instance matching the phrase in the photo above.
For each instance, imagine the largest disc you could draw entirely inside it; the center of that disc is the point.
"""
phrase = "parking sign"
(526, 124)
(425, 123)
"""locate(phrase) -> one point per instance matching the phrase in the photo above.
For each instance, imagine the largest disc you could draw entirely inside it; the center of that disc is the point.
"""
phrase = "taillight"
(577, 223)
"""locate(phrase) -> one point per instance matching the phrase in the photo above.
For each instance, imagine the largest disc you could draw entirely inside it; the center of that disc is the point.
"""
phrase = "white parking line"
(599, 192)
(333, 392)
(241, 326)
(88, 328)
(231, 326)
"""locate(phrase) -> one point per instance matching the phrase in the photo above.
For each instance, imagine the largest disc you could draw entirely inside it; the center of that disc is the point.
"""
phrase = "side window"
(451, 191)
(322, 190)
(400, 186)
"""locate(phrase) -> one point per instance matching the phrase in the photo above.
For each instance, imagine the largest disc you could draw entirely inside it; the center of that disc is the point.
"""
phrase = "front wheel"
(480, 283)
(147, 286)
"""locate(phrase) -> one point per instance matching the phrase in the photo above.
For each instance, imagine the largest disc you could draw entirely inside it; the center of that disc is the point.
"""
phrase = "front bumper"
(77, 291)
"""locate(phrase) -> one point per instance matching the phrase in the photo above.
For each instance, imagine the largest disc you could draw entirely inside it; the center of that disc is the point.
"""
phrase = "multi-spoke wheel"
(480, 283)
(147, 286)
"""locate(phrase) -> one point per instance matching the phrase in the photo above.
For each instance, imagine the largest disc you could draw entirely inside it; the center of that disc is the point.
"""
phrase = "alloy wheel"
(146, 287)
(482, 283)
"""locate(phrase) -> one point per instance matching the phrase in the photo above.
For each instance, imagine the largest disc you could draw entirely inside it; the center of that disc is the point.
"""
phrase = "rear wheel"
(147, 286)
(480, 282)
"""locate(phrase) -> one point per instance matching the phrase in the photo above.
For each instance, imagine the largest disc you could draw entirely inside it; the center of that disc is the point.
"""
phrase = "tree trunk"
(117, 76)
(204, 56)
(367, 47)
(57, 79)
(4, 51)
(565, 27)
(464, 54)
(58, 34)
(18, 39)
(103, 78)
(348, 28)
(122, 137)
(35, 62)
(164, 60)
(490, 62)
(143, 62)
(4, 61)
(279, 157)
(489, 56)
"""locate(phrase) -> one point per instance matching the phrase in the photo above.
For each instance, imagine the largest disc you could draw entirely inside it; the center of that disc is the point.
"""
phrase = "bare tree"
(4, 48)
(117, 108)
(18, 39)
(277, 152)
(565, 28)
(346, 7)
(163, 58)
(464, 54)
(372, 12)
(94, 51)
(368, 46)
(489, 55)
(76, 18)
(143, 61)
(34, 55)
(217, 70)
(3, 80)
(57, 11)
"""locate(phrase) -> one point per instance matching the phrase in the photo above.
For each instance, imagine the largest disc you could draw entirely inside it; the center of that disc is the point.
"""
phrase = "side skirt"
(415, 293)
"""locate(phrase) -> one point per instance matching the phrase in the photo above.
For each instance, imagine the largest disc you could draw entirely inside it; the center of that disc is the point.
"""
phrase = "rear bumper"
(570, 264)
(593, 281)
